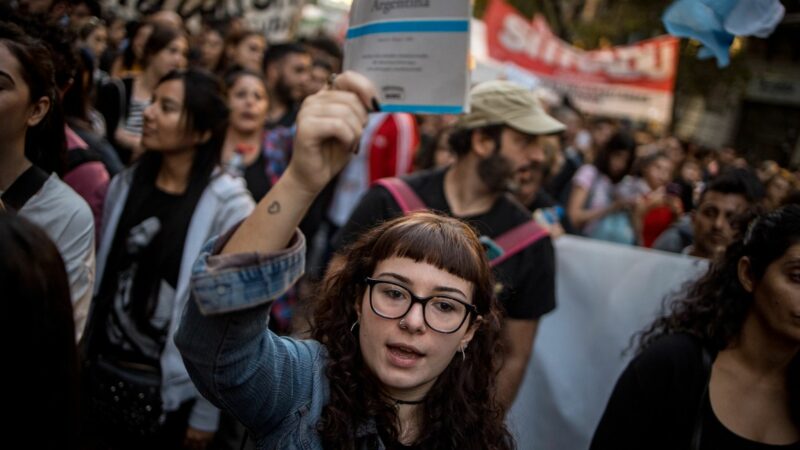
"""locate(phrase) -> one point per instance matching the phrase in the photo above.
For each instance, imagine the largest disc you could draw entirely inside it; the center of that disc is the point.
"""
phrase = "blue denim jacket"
(276, 386)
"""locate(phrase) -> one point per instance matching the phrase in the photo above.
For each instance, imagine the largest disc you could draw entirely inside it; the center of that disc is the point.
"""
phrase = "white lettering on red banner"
(634, 81)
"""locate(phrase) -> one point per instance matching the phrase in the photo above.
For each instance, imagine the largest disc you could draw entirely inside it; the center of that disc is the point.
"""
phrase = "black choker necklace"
(398, 402)
(408, 402)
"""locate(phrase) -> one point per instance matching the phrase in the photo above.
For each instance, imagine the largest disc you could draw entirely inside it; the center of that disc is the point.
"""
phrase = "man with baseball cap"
(496, 143)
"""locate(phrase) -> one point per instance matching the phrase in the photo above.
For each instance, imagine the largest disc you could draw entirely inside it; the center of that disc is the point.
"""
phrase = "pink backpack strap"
(73, 140)
(406, 198)
(517, 239)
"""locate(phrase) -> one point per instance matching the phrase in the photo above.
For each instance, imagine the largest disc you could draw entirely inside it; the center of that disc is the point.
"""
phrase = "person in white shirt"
(32, 131)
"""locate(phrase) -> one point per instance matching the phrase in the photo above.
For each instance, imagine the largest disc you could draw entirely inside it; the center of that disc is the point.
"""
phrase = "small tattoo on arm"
(274, 208)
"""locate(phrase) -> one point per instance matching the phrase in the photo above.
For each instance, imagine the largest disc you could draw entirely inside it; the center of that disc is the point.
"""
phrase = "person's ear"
(38, 110)
(482, 144)
(471, 332)
(745, 275)
(359, 303)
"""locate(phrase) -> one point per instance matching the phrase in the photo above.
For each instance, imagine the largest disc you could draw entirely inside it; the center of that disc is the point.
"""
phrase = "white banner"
(606, 293)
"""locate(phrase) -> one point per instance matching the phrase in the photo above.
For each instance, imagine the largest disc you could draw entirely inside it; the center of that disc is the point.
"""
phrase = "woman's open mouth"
(403, 356)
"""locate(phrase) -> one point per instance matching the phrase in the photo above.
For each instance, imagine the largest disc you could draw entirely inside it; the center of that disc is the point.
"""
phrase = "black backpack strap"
(127, 94)
(23, 188)
(79, 156)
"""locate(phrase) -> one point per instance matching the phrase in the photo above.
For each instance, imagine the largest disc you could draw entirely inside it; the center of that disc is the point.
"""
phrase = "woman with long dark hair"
(127, 61)
(86, 171)
(123, 101)
(32, 158)
(722, 369)
(260, 156)
(406, 330)
(244, 148)
(593, 207)
(86, 121)
(157, 216)
(39, 340)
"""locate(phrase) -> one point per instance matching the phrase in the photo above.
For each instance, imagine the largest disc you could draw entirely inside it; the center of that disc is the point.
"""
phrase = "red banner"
(634, 81)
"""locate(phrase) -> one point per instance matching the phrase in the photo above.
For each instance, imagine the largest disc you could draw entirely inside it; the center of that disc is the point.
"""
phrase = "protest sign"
(634, 81)
(606, 293)
(414, 51)
(274, 18)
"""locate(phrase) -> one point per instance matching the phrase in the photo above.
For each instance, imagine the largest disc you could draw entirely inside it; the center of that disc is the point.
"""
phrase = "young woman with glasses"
(405, 339)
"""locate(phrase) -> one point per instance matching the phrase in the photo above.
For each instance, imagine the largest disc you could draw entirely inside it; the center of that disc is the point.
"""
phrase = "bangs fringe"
(444, 242)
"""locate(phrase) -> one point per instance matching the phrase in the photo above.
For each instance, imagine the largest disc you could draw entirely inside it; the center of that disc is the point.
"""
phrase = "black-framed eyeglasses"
(441, 313)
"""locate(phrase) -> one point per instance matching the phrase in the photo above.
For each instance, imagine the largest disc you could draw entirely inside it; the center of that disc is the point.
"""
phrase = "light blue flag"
(704, 21)
(714, 23)
(755, 18)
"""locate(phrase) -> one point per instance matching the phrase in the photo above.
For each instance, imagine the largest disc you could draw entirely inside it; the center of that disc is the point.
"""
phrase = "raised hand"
(329, 127)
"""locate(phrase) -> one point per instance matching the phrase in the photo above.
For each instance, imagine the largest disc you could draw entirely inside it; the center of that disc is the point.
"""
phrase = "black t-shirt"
(656, 402)
(718, 437)
(162, 206)
(542, 200)
(287, 120)
(391, 444)
(255, 175)
(145, 243)
(527, 278)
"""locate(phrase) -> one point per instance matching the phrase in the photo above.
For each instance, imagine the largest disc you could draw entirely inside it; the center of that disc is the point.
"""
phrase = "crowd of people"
(209, 240)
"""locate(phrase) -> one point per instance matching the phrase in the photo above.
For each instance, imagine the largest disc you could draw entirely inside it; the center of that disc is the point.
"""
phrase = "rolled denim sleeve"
(231, 356)
(227, 283)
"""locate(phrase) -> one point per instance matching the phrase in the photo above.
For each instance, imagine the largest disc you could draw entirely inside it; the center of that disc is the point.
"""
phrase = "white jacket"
(223, 203)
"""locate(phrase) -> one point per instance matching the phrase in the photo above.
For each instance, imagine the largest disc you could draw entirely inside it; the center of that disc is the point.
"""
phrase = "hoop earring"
(463, 355)
(354, 326)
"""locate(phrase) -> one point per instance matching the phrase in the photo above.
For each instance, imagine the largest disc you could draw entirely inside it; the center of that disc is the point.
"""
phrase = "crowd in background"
(140, 113)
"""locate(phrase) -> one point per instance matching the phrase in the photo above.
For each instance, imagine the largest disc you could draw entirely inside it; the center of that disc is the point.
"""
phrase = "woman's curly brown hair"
(460, 411)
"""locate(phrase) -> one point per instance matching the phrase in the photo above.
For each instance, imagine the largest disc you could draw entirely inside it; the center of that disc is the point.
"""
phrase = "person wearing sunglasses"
(405, 341)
